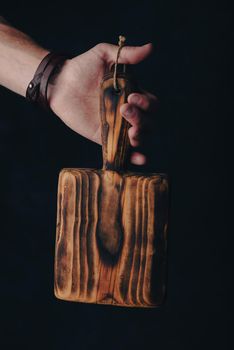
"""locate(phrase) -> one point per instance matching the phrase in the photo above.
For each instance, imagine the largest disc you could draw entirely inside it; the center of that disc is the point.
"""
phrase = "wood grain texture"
(115, 141)
(111, 226)
(111, 242)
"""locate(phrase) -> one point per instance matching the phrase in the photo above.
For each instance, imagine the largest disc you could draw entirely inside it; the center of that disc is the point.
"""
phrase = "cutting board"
(111, 237)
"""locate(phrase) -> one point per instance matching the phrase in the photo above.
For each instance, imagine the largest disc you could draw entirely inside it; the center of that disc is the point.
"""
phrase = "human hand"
(74, 94)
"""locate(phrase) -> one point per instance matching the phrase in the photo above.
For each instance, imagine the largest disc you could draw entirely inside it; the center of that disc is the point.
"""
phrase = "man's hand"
(74, 94)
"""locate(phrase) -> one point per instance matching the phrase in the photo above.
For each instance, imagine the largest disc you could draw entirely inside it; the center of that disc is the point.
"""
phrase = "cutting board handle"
(115, 141)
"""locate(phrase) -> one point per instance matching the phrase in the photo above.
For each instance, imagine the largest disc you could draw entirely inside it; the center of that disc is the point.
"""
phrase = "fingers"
(132, 114)
(139, 112)
(136, 119)
(147, 102)
(139, 106)
(134, 134)
(128, 54)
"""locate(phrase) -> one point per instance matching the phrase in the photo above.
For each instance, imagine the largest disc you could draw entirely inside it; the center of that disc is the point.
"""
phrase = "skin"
(73, 93)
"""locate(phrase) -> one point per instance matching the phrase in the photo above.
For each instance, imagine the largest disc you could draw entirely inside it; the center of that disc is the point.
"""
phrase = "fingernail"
(138, 159)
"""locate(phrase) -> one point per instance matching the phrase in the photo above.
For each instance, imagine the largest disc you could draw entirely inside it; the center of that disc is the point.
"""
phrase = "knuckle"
(101, 49)
(101, 46)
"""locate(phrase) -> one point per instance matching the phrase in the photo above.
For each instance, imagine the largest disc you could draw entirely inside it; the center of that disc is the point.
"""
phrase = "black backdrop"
(189, 72)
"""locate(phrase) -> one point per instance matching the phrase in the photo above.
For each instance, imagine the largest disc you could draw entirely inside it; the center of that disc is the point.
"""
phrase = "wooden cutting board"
(111, 236)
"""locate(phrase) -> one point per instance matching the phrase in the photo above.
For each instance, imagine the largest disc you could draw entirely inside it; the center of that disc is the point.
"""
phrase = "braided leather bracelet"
(37, 88)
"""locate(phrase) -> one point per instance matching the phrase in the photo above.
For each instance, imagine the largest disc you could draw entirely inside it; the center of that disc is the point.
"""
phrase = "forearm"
(19, 58)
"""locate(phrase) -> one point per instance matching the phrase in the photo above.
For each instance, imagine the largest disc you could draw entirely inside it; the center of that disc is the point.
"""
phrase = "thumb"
(128, 54)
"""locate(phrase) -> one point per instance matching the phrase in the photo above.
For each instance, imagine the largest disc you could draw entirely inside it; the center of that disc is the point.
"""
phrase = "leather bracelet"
(37, 88)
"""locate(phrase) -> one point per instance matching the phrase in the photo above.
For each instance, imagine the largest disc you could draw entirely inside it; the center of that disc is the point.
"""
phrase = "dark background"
(189, 72)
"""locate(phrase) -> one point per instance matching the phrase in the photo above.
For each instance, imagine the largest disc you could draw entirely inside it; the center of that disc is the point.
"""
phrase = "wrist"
(37, 90)
(57, 87)
(31, 63)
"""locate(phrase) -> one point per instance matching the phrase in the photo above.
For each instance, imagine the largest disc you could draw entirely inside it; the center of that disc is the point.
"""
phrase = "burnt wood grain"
(111, 237)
